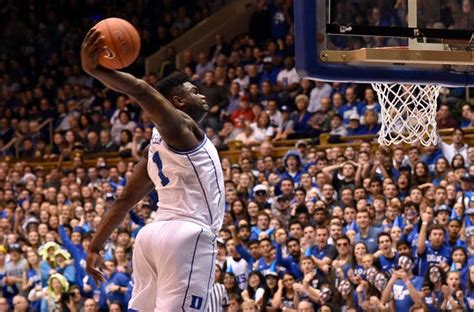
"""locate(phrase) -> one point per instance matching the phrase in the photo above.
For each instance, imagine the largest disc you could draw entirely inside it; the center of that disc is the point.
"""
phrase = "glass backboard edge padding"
(399, 32)
(309, 65)
(397, 55)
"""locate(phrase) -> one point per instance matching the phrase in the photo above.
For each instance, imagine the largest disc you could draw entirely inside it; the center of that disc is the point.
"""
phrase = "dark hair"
(243, 215)
(292, 239)
(168, 85)
(427, 276)
(384, 234)
(403, 242)
(435, 227)
(265, 239)
(253, 242)
(301, 189)
(344, 237)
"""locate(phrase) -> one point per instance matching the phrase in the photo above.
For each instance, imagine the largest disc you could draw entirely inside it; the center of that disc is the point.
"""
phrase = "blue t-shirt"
(262, 266)
(433, 256)
(433, 301)
(370, 240)
(401, 296)
(469, 299)
(386, 265)
(119, 279)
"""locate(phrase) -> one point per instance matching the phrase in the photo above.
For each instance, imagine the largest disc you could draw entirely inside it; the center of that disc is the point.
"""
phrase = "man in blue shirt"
(291, 263)
(403, 287)
(386, 258)
(323, 253)
(367, 234)
(434, 251)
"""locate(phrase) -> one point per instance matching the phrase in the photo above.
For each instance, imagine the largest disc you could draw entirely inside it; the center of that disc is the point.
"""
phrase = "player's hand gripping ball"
(122, 43)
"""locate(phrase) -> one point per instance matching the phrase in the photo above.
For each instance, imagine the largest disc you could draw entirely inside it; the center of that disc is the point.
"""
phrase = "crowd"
(359, 228)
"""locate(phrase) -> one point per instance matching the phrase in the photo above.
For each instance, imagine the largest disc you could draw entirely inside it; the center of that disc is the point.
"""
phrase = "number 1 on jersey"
(157, 160)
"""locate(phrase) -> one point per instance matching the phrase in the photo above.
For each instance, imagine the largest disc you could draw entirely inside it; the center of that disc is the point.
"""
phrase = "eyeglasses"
(341, 244)
(260, 193)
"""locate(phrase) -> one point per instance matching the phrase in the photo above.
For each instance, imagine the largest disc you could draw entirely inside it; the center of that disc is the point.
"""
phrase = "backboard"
(389, 41)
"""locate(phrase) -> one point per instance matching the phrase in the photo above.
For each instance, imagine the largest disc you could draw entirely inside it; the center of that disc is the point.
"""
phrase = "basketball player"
(173, 257)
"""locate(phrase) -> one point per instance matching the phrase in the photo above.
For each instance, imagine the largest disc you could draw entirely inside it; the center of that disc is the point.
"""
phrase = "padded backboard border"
(308, 63)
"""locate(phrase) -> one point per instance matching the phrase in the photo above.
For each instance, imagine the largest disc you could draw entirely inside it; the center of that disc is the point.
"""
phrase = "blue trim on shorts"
(212, 269)
(191, 272)
(202, 188)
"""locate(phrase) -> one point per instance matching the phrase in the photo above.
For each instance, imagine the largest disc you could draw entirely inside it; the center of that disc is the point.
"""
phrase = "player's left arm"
(138, 186)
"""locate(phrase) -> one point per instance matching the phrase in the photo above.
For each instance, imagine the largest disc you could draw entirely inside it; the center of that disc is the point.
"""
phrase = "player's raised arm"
(138, 185)
(176, 127)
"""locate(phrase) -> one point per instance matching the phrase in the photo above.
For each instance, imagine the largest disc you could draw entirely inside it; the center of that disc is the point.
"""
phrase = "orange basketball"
(122, 43)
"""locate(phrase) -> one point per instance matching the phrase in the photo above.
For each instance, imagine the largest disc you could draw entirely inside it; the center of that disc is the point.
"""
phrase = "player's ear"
(177, 101)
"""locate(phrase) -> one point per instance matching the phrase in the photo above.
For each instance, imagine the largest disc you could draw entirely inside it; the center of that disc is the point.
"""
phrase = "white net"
(408, 113)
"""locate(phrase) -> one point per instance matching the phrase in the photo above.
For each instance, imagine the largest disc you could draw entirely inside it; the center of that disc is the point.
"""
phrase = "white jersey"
(190, 185)
(240, 269)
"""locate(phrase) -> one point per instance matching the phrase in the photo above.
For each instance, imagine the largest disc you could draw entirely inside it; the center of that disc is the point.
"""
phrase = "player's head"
(184, 95)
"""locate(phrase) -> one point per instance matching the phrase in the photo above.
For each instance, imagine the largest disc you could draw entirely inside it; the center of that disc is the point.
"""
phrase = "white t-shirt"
(261, 134)
(288, 77)
(449, 151)
(317, 94)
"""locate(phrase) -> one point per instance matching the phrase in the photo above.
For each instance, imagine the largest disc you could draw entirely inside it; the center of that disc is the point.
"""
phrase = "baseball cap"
(146, 203)
(467, 177)
(271, 273)
(109, 196)
(354, 116)
(260, 187)
(14, 247)
(30, 220)
(285, 109)
(470, 211)
(301, 142)
(268, 59)
(102, 165)
(78, 229)
(235, 166)
(64, 253)
(442, 208)
(283, 198)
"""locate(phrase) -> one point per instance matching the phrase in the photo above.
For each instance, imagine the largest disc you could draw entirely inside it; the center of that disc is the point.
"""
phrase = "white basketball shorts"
(173, 267)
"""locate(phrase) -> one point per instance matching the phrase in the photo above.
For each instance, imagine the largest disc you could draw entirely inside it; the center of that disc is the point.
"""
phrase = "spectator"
(457, 147)
(20, 304)
(106, 142)
(444, 118)
(204, 66)
(262, 128)
(467, 115)
(216, 97)
(301, 117)
(320, 91)
(122, 123)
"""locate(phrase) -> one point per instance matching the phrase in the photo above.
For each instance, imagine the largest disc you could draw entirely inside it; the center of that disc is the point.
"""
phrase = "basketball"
(122, 43)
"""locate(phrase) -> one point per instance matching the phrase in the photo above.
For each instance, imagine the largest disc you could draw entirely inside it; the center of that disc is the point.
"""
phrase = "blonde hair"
(249, 304)
(302, 97)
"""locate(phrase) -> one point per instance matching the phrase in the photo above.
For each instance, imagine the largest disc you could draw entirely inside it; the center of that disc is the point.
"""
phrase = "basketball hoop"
(408, 113)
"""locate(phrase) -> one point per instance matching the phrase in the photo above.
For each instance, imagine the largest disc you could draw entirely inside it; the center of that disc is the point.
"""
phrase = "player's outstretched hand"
(92, 47)
(94, 261)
